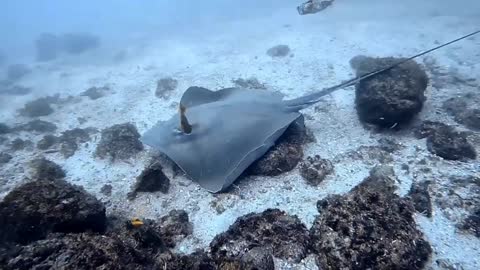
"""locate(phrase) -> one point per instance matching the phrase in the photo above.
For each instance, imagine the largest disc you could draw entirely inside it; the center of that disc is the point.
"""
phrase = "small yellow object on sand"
(136, 222)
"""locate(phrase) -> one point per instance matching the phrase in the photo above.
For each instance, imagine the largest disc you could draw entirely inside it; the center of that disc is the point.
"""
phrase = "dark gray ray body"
(231, 129)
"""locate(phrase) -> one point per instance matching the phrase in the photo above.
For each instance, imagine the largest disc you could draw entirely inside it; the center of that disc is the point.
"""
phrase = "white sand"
(322, 45)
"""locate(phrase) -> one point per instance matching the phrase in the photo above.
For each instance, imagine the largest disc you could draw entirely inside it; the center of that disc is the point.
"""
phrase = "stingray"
(216, 135)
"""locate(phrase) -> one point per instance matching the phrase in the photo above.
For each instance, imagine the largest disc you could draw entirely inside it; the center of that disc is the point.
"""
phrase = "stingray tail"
(308, 100)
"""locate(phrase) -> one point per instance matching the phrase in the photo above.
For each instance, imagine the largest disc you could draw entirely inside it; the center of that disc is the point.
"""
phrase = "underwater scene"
(231, 135)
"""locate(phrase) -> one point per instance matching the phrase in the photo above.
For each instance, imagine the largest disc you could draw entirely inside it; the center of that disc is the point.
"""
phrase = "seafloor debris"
(151, 179)
(35, 209)
(278, 51)
(465, 110)
(5, 158)
(450, 144)
(119, 141)
(251, 83)
(38, 107)
(165, 86)
(369, 228)
(17, 71)
(37, 125)
(391, 98)
(421, 198)
(47, 142)
(95, 92)
(286, 236)
(315, 169)
(286, 153)
(46, 169)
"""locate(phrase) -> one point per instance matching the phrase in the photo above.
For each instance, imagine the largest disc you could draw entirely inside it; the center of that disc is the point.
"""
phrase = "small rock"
(421, 198)
(392, 98)
(278, 51)
(47, 141)
(315, 169)
(285, 155)
(272, 229)
(79, 251)
(251, 83)
(45, 169)
(470, 118)
(5, 158)
(472, 223)
(17, 71)
(31, 211)
(119, 141)
(151, 179)
(38, 107)
(464, 109)
(369, 228)
(165, 86)
(4, 129)
(106, 190)
(95, 92)
(71, 138)
(38, 126)
(174, 227)
(19, 144)
(451, 145)
(428, 128)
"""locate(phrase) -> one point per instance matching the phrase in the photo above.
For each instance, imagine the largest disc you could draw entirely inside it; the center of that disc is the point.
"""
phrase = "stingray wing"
(228, 136)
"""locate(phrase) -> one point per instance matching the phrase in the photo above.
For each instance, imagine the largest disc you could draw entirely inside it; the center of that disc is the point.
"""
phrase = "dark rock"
(17, 71)
(472, 223)
(470, 118)
(47, 142)
(38, 107)
(258, 258)
(272, 229)
(95, 92)
(369, 228)
(285, 155)
(5, 158)
(78, 251)
(174, 227)
(106, 190)
(450, 144)
(278, 51)
(165, 86)
(35, 209)
(312, 7)
(38, 126)
(315, 169)
(4, 129)
(464, 109)
(151, 179)
(251, 83)
(198, 260)
(16, 90)
(392, 98)
(19, 144)
(119, 141)
(70, 139)
(428, 128)
(389, 145)
(78, 43)
(44, 169)
(47, 47)
(421, 198)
